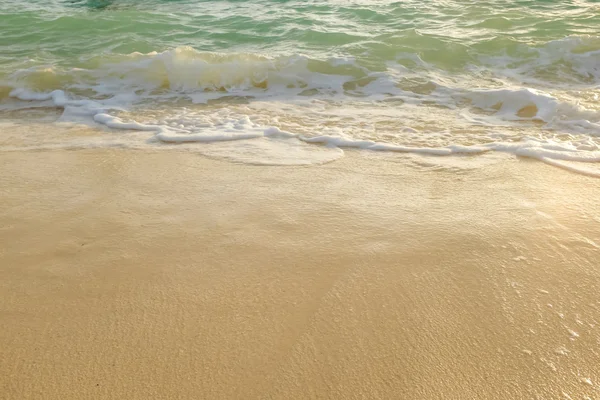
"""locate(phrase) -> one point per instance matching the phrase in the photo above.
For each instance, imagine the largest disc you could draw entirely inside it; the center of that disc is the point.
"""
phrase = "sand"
(166, 275)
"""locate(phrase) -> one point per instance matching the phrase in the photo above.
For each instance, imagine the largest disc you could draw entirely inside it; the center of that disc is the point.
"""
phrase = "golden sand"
(136, 275)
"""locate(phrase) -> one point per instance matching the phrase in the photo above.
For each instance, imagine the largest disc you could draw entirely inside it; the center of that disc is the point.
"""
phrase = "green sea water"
(451, 35)
(443, 77)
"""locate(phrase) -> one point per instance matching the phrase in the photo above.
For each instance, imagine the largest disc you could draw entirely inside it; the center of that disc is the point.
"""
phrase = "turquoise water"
(278, 80)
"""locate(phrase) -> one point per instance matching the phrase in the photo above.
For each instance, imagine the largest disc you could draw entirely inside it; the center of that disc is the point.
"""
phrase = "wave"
(561, 63)
(571, 62)
(102, 90)
(225, 127)
(185, 70)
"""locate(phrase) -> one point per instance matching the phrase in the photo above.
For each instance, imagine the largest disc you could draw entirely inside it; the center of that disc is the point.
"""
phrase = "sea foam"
(223, 126)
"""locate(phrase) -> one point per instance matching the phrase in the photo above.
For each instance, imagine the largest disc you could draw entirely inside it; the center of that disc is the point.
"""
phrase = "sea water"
(298, 82)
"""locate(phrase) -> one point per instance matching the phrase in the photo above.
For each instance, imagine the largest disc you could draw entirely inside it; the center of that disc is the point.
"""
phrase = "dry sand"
(137, 275)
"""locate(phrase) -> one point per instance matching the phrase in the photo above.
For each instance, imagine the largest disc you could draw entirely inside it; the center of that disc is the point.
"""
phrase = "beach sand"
(167, 275)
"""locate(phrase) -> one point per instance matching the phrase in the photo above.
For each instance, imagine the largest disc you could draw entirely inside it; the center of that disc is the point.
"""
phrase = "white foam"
(338, 141)
(191, 127)
(114, 122)
(206, 76)
(510, 102)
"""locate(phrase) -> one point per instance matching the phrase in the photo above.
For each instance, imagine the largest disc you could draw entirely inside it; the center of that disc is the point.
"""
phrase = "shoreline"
(138, 274)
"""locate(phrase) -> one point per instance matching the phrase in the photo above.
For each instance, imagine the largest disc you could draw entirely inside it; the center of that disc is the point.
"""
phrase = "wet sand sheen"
(143, 275)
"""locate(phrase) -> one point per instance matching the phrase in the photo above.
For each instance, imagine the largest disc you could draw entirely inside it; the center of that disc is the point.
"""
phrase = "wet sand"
(139, 275)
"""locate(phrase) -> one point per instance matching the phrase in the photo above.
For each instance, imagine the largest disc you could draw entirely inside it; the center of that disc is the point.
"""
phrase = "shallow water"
(296, 82)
